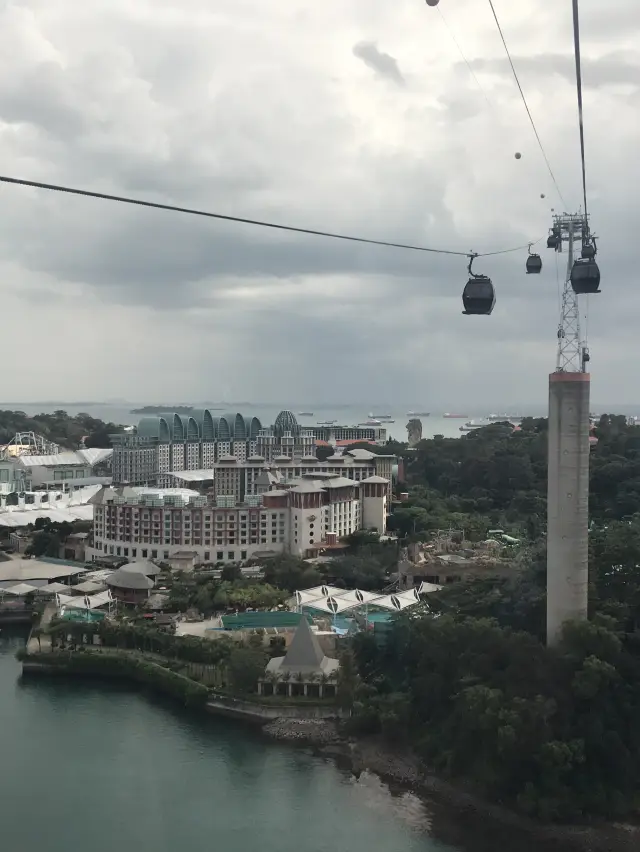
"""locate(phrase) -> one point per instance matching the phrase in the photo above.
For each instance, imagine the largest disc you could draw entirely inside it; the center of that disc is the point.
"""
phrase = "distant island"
(163, 409)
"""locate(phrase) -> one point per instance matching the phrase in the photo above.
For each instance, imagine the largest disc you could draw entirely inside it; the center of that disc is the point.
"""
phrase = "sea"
(344, 415)
(121, 413)
(91, 765)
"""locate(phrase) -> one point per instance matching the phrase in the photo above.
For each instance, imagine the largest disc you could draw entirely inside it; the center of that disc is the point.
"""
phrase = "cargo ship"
(418, 413)
(455, 416)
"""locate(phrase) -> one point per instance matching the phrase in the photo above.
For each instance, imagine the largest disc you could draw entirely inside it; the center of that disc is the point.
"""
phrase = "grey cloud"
(382, 63)
(219, 117)
(615, 68)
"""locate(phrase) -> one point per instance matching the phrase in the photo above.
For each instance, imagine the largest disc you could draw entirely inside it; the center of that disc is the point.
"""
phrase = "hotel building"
(301, 517)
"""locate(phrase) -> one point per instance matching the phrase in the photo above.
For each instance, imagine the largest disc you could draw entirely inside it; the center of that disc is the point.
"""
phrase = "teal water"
(86, 766)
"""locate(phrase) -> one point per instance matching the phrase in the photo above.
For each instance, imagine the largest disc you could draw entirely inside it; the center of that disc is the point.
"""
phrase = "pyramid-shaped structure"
(304, 653)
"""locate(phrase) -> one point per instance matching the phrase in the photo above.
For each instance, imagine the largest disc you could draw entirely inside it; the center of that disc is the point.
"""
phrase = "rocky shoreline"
(404, 770)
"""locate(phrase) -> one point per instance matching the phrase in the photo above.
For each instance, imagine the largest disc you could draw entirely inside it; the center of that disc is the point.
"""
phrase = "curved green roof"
(200, 425)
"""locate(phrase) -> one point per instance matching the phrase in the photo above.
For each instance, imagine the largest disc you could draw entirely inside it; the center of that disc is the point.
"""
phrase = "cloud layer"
(361, 118)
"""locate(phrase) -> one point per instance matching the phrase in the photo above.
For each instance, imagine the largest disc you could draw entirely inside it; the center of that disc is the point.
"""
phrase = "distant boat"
(379, 416)
(305, 414)
(326, 422)
(419, 414)
(371, 422)
(455, 416)
(470, 425)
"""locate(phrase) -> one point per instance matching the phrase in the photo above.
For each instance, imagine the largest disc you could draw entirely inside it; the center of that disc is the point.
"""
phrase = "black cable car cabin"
(552, 241)
(585, 276)
(478, 296)
(534, 264)
(588, 250)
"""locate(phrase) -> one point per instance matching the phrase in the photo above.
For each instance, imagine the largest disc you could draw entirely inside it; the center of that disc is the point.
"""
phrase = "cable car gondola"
(534, 263)
(478, 296)
(585, 276)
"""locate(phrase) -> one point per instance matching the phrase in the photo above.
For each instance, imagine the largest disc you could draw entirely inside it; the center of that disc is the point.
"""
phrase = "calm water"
(345, 415)
(86, 766)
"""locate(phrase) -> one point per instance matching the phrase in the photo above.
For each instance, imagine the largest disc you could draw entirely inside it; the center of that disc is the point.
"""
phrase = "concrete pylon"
(567, 501)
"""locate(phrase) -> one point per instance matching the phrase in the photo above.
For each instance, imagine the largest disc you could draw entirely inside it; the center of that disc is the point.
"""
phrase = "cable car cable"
(576, 42)
(103, 196)
(526, 105)
(464, 58)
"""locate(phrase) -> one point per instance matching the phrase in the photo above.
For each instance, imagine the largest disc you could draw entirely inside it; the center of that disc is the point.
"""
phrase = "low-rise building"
(131, 587)
(65, 471)
(74, 546)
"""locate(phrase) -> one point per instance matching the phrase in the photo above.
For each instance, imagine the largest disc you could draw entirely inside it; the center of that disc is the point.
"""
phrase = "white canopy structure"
(89, 586)
(400, 601)
(428, 588)
(358, 597)
(334, 600)
(322, 592)
(52, 588)
(331, 604)
(84, 601)
(20, 589)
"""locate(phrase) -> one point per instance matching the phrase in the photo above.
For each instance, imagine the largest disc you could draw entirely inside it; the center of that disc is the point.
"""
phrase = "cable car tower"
(568, 471)
(573, 352)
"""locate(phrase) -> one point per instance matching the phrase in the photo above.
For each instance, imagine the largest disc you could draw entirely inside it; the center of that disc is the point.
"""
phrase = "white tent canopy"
(322, 592)
(20, 589)
(334, 600)
(331, 604)
(398, 602)
(85, 601)
(428, 588)
(357, 597)
(52, 588)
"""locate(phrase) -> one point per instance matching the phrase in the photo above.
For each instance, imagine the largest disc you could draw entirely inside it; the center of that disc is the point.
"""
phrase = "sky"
(354, 116)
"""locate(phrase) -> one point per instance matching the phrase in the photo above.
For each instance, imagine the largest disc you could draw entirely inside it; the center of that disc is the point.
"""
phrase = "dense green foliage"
(367, 564)
(142, 637)
(122, 665)
(468, 681)
(48, 537)
(60, 428)
(554, 732)
(209, 595)
(497, 477)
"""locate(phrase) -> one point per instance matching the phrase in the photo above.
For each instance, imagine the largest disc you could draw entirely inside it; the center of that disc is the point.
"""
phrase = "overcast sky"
(356, 116)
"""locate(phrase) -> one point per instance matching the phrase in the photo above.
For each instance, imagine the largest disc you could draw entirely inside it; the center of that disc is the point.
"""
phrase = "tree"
(246, 667)
(324, 452)
(230, 573)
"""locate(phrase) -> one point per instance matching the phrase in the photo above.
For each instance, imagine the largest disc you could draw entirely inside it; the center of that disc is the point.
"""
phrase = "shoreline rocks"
(403, 769)
(317, 732)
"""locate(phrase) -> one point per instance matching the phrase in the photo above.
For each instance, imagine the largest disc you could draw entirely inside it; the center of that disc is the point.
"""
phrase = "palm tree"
(284, 677)
(36, 634)
(273, 678)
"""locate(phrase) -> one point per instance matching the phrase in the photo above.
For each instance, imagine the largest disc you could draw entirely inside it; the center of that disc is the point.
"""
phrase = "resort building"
(301, 516)
(232, 450)
(163, 444)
